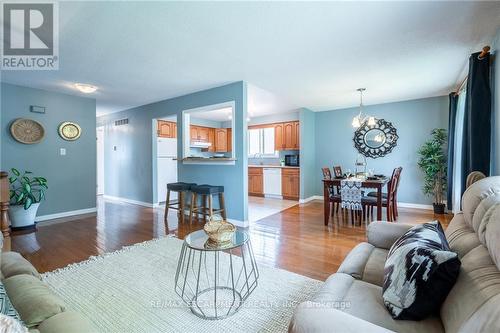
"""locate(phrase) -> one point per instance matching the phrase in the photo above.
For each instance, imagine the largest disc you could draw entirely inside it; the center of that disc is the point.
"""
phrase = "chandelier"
(361, 118)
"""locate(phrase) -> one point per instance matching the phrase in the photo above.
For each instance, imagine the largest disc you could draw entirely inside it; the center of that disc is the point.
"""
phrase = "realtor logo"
(30, 36)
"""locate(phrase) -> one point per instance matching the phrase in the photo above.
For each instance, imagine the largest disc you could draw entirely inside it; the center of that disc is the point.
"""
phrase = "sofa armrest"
(318, 318)
(384, 234)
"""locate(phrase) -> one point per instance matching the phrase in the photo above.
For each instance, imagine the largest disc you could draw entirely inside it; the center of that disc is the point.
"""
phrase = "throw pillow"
(419, 272)
(6, 307)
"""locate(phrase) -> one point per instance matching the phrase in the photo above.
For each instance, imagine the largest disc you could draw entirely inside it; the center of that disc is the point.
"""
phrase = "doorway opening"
(100, 160)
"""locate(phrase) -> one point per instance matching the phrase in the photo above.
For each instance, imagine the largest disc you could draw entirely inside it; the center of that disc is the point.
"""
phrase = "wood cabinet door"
(193, 132)
(166, 129)
(289, 135)
(297, 134)
(221, 140)
(229, 140)
(203, 134)
(211, 139)
(290, 184)
(175, 130)
(255, 181)
(278, 137)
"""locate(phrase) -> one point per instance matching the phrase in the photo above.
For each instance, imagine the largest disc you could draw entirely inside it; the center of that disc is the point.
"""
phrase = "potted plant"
(26, 192)
(433, 162)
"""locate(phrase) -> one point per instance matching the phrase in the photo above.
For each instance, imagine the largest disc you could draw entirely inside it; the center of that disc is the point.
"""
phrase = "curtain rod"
(483, 54)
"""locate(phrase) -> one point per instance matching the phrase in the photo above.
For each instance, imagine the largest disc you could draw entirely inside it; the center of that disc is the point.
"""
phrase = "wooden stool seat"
(180, 204)
(206, 192)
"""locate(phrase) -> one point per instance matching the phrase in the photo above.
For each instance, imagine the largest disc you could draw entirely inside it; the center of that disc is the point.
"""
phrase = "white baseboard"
(413, 205)
(65, 214)
(239, 223)
(400, 204)
(311, 198)
(130, 201)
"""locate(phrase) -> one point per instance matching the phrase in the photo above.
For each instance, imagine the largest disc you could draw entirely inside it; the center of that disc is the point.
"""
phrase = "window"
(261, 142)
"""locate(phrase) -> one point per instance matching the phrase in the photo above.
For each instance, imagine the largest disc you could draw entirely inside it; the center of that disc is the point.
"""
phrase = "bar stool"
(206, 192)
(181, 188)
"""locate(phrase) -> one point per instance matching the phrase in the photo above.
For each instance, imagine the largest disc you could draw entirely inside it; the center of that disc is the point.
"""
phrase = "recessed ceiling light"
(85, 88)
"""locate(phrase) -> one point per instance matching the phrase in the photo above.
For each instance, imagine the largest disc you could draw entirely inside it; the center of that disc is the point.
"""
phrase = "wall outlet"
(62, 151)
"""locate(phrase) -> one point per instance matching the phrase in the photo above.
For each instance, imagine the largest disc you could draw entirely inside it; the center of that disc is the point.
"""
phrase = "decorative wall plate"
(375, 141)
(27, 131)
(70, 131)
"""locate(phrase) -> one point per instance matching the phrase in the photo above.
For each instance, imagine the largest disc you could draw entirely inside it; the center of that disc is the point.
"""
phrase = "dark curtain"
(452, 115)
(477, 120)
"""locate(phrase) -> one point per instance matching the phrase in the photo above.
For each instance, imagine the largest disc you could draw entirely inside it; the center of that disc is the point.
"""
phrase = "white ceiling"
(310, 54)
(219, 115)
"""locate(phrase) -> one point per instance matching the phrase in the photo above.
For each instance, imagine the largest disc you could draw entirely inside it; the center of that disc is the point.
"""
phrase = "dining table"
(377, 184)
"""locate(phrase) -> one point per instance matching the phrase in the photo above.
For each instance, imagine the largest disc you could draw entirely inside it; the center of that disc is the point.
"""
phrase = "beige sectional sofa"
(351, 299)
(40, 309)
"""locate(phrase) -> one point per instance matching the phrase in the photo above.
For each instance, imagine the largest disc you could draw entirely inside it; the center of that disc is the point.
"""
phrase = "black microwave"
(292, 160)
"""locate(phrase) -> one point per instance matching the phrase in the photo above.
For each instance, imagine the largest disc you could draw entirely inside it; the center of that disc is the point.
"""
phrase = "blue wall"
(307, 154)
(129, 169)
(71, 178)
(495, 158)
(413, 120)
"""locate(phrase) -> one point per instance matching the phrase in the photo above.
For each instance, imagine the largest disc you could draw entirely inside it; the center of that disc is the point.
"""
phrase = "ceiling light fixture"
(85, 88)
(358, 120)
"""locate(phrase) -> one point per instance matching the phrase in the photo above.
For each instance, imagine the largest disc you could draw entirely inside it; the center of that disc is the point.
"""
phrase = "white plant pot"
(21, 218)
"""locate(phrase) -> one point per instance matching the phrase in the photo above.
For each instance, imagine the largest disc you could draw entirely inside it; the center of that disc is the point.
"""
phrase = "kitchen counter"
(272, 166)
(209, 160)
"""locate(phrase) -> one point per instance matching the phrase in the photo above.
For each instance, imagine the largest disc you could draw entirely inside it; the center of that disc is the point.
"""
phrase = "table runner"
(350, 190)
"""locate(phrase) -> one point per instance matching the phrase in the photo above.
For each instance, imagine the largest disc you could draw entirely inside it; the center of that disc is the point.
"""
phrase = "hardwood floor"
(295, 239)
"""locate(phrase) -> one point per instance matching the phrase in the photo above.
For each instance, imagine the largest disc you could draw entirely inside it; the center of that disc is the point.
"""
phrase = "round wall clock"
(70, 131)
(27, 131)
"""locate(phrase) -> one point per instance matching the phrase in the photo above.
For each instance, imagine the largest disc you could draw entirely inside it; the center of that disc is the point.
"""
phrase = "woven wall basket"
(27, 131)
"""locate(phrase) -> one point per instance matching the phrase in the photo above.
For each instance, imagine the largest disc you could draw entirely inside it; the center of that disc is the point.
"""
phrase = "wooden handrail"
(4, 207)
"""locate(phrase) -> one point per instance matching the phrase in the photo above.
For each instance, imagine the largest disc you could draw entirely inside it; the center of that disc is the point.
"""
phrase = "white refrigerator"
(166, 166)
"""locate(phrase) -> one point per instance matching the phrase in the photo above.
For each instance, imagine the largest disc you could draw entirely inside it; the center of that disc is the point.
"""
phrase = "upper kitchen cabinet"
(221, 140)
(291, 135)
(279, 144)
(210, 134)
(286, 135)
(167, 129)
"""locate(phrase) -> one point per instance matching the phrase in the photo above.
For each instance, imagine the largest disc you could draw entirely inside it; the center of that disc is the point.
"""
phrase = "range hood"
(200, 144)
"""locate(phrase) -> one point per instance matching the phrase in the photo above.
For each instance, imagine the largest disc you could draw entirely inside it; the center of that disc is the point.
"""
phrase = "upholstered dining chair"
(389, 199)
(334, 197)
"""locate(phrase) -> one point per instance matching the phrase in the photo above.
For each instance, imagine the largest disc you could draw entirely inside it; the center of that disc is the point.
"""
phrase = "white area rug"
(132, 290)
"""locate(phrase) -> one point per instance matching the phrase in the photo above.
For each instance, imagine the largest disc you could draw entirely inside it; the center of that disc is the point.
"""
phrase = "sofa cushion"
(461, 237)
(6, 307)
(32, 299)
(66, 322)
(14, 264)
(419, 272)
(364, 300)
(365, 262)
(477, 285)
(478, 191)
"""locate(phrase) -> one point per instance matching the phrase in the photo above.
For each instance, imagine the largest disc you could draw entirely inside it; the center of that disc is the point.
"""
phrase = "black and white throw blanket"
(350, 191)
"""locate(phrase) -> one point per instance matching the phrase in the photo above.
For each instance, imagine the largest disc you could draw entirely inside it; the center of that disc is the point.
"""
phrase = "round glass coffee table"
(215, 280)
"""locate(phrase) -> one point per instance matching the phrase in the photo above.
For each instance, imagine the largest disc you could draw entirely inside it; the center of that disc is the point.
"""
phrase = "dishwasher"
(272, 182)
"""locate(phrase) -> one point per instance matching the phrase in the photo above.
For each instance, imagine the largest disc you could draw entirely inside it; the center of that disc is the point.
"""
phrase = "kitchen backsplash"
(272, 161)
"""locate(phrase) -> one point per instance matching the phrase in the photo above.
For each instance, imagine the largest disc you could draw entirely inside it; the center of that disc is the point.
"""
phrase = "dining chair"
(388, 201)
(334, 198)
(384, 195)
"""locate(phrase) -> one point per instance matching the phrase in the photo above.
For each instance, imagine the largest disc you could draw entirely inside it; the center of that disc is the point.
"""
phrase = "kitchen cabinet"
(211, 139)
(223, 140)
(290, 183)
(278, 137)
(167, 129)
(291, 135)
(255, 182)
(229, 139)
(199, 133)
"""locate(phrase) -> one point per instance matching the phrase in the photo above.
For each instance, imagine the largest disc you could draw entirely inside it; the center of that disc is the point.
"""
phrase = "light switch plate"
(62, 151)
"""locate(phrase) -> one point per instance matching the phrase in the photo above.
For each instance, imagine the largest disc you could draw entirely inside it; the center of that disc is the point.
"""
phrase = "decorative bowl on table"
(219, 232)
